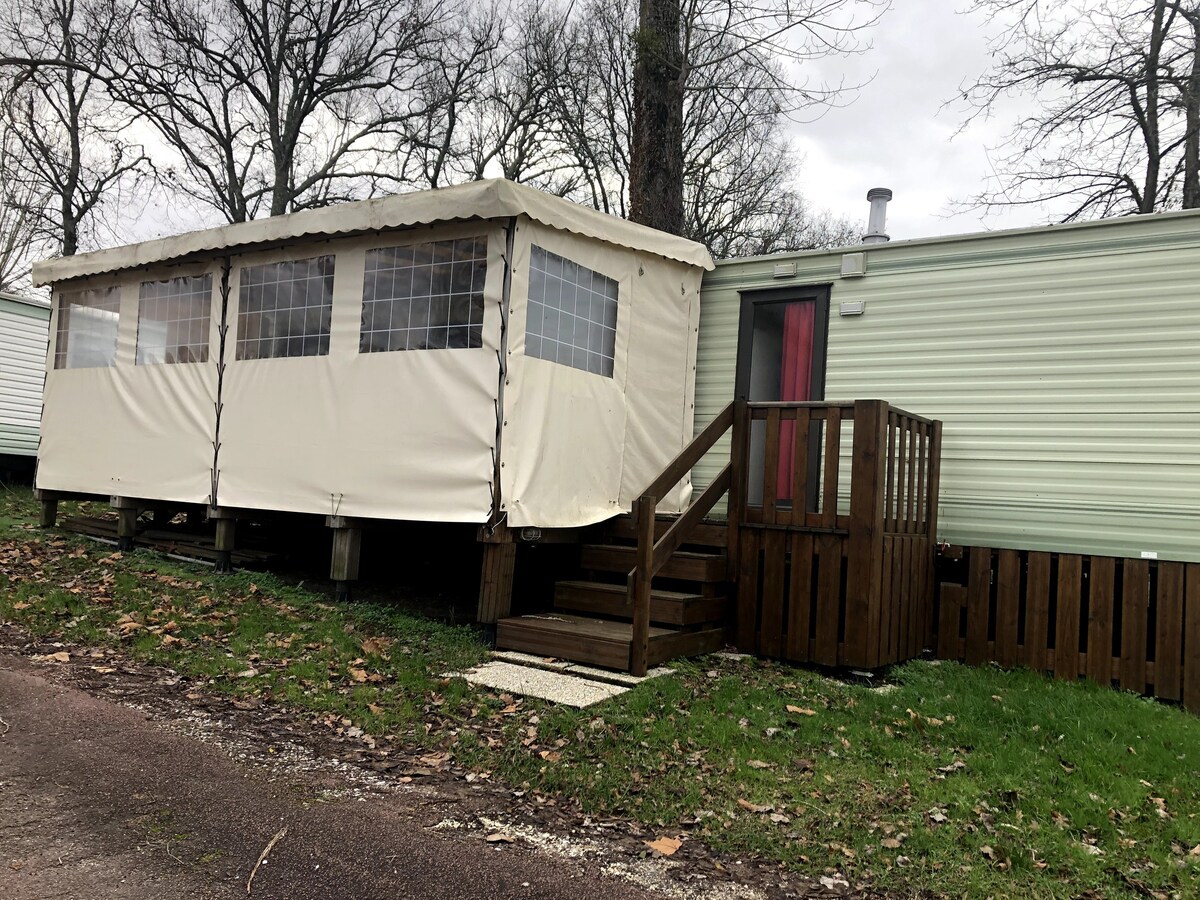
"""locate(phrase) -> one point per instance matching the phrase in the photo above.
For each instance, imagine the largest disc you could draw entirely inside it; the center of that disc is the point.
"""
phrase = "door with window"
(782, 339)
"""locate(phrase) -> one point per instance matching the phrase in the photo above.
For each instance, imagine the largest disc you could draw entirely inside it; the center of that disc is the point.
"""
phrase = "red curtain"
(795, 382)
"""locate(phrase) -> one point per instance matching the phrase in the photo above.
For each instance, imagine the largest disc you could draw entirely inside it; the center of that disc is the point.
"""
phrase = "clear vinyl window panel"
(424, 296)
(173, 320)
(87, 328)
(572, 318)
(284, 309)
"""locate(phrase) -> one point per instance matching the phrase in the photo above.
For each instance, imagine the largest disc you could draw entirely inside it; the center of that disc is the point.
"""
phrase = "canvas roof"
(491, 199)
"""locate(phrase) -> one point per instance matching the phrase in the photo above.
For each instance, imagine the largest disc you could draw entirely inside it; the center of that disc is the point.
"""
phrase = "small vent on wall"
(852, 307)
(785, 270)
(854, 265)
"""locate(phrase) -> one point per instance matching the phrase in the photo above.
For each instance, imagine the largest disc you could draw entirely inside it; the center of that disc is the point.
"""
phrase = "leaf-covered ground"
(946, 781)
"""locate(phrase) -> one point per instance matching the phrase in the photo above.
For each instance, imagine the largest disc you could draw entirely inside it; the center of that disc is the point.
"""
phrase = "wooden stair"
(598, 642)
(666, 607)
(591, 619)
(684, 565)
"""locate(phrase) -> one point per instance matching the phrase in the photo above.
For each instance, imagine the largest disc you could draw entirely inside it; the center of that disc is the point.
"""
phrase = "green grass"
(949, 782)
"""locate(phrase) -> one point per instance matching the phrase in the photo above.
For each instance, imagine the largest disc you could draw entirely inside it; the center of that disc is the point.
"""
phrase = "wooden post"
(639, 647)
(932, 489)
(49, 512)
(736, 502)
(347, 547)
(127, 515)
(496, 583)
(1191, 639)
(864, 542)
(935, 480)
(225, 540)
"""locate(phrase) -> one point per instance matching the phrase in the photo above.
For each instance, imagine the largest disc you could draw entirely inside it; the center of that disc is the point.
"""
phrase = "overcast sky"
(897, 135)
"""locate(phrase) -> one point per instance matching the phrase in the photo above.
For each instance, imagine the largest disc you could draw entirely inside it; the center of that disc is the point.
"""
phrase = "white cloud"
(900, 133)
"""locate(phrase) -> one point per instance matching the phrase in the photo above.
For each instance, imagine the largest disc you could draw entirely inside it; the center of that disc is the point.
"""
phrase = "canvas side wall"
(1062, 362)
(131, 430)
(393, 434)
(579, 445)
(23, 333)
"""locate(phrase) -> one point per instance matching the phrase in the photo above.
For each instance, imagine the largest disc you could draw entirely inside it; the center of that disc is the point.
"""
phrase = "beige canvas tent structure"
(483, 353)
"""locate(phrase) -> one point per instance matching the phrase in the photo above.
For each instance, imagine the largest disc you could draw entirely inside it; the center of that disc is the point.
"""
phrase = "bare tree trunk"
(1148, 116)
(1191, 141)
(656, 157)
(70, 230)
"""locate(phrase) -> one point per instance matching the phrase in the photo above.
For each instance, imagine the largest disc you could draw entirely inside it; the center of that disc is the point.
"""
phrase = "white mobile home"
(473, 354)
(24, 328)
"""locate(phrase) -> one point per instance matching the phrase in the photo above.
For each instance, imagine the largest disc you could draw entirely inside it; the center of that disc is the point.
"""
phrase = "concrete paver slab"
(557, 687)
(589, 672)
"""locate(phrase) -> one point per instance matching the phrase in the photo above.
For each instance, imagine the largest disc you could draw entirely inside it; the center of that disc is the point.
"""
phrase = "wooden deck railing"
(836, 556)
(832, 555)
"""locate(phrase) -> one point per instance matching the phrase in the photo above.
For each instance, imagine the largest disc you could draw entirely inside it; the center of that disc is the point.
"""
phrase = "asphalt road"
(99, 801)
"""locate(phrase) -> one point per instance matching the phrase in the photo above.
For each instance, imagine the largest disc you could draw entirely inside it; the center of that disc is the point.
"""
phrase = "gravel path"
(97, 800)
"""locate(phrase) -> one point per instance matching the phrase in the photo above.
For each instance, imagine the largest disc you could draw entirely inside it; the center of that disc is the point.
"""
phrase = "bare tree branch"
(1117, 129)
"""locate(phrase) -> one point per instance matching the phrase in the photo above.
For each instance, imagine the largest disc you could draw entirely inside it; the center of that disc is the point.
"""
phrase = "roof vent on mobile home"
(879, 198)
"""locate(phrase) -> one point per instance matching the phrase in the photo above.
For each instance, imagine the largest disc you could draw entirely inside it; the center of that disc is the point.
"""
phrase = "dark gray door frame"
(750, 300)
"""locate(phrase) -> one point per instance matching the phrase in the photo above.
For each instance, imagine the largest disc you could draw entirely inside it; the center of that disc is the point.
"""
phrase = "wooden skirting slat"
(1130, 623)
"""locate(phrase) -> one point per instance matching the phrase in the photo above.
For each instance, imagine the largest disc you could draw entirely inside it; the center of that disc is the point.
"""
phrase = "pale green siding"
(1065, 362)
(23, 334)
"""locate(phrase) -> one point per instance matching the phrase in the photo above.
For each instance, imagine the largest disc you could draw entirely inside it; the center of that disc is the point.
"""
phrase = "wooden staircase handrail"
(653, 555)
(674, 537)
(691, 454)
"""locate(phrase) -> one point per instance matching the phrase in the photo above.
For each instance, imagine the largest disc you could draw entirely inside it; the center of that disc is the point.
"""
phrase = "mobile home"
(24, 329)
(1063, 361)
(1063, 364)
(811, 425)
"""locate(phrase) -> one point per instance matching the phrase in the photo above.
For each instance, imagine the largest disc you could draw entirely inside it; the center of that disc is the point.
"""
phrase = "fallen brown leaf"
(755, 807)
(665, 845)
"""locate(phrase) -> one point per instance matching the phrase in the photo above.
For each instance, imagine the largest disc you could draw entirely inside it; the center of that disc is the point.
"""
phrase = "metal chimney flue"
(879, 198)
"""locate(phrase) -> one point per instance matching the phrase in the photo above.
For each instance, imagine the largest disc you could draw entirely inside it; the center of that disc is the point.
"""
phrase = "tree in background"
(736, 166)
(70, 154)
(656, 150)
(272, 106)
(21, 202)
(693, 48)
(1117, 129)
